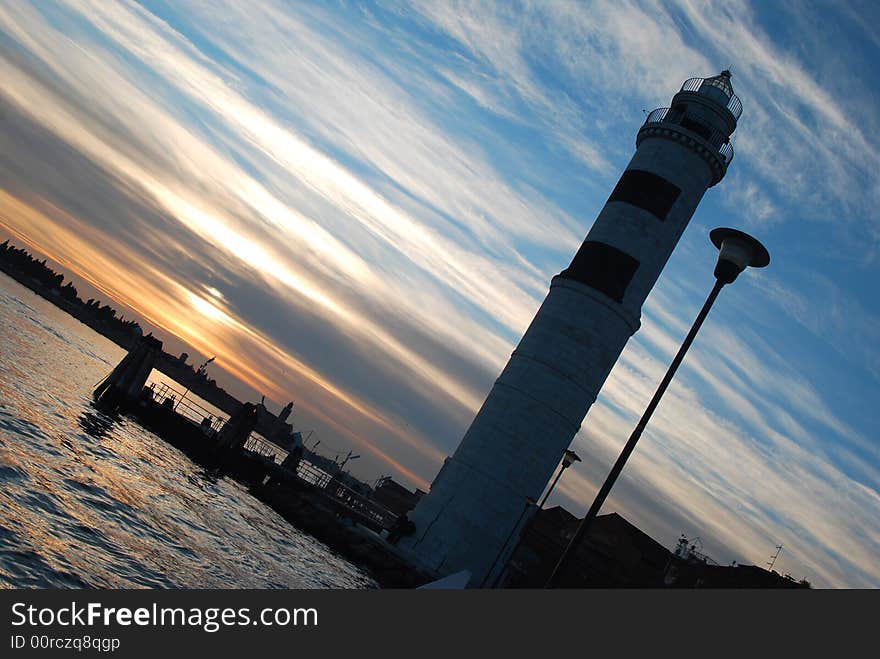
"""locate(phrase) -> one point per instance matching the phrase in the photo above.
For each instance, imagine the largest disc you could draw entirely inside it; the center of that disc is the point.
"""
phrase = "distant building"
(617, 554)
(395, 497)
(613, 554)
(690, 569)
(728, 576)
(285, 413)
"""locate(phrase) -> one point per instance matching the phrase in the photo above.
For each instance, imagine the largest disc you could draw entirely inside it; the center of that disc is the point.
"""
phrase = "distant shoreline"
(71, 309)
(23, 268)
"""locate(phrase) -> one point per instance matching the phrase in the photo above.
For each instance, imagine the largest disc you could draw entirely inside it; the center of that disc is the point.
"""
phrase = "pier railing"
(360, 503)
(258, 444)
(187, 407)
(312, 474)
(335, 488)
(346, 496)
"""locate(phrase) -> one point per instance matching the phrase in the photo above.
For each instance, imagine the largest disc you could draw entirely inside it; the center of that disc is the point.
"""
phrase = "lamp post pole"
(529, 503)
(568, 459)
(737, 251)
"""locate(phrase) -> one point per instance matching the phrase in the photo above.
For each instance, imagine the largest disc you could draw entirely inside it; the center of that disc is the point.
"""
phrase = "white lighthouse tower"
(477, 501)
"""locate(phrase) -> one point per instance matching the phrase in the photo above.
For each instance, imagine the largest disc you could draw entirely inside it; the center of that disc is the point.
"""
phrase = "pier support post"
(237, 429)
(126, 381)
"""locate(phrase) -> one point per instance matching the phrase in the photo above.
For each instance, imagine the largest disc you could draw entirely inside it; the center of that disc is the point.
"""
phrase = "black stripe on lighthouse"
(647, 191)
(603, 267)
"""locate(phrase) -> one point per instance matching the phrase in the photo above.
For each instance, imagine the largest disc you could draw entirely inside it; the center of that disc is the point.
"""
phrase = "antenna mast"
(774, 557)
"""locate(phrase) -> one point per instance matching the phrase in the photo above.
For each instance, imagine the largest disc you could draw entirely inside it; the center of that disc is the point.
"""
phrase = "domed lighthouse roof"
(718, 86)
(718, 89)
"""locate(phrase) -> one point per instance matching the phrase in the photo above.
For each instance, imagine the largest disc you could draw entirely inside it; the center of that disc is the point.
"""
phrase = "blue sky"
(359, 206)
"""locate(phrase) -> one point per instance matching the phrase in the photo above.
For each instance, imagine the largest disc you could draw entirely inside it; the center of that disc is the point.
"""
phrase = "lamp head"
(736, 251)
(569, 458)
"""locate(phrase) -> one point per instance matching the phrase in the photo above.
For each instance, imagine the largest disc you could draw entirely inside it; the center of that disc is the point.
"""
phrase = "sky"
(359, 207)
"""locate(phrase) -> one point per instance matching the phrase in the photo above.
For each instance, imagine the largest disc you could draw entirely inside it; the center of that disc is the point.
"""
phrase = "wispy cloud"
(361, 209)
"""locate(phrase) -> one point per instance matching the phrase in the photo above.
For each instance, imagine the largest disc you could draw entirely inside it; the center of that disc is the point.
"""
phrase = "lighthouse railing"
(714, 137)
(735, 106)
(656, 116)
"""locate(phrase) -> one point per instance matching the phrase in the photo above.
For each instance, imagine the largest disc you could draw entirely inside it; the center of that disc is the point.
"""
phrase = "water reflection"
(96, 424)
(88, 499)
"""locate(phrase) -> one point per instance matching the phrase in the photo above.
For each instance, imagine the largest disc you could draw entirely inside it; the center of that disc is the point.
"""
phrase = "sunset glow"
(360, 212)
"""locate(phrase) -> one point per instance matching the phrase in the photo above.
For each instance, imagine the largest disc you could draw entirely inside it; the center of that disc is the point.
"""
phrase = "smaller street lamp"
(529, 502)
(736, 252)
(568, 459)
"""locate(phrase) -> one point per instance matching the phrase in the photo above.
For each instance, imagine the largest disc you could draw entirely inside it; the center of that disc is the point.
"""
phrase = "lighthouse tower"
(480, 498)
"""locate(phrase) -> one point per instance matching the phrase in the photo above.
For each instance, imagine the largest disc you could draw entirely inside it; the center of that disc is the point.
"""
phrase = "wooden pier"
(309, 497)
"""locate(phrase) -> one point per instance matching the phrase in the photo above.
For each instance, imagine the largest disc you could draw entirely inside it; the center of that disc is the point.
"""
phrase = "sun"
(209, 309)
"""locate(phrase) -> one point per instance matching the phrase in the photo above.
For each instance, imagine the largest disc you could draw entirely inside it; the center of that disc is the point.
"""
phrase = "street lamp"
(347, 458)
(529, 502)
(736, 252)
(568, 459)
